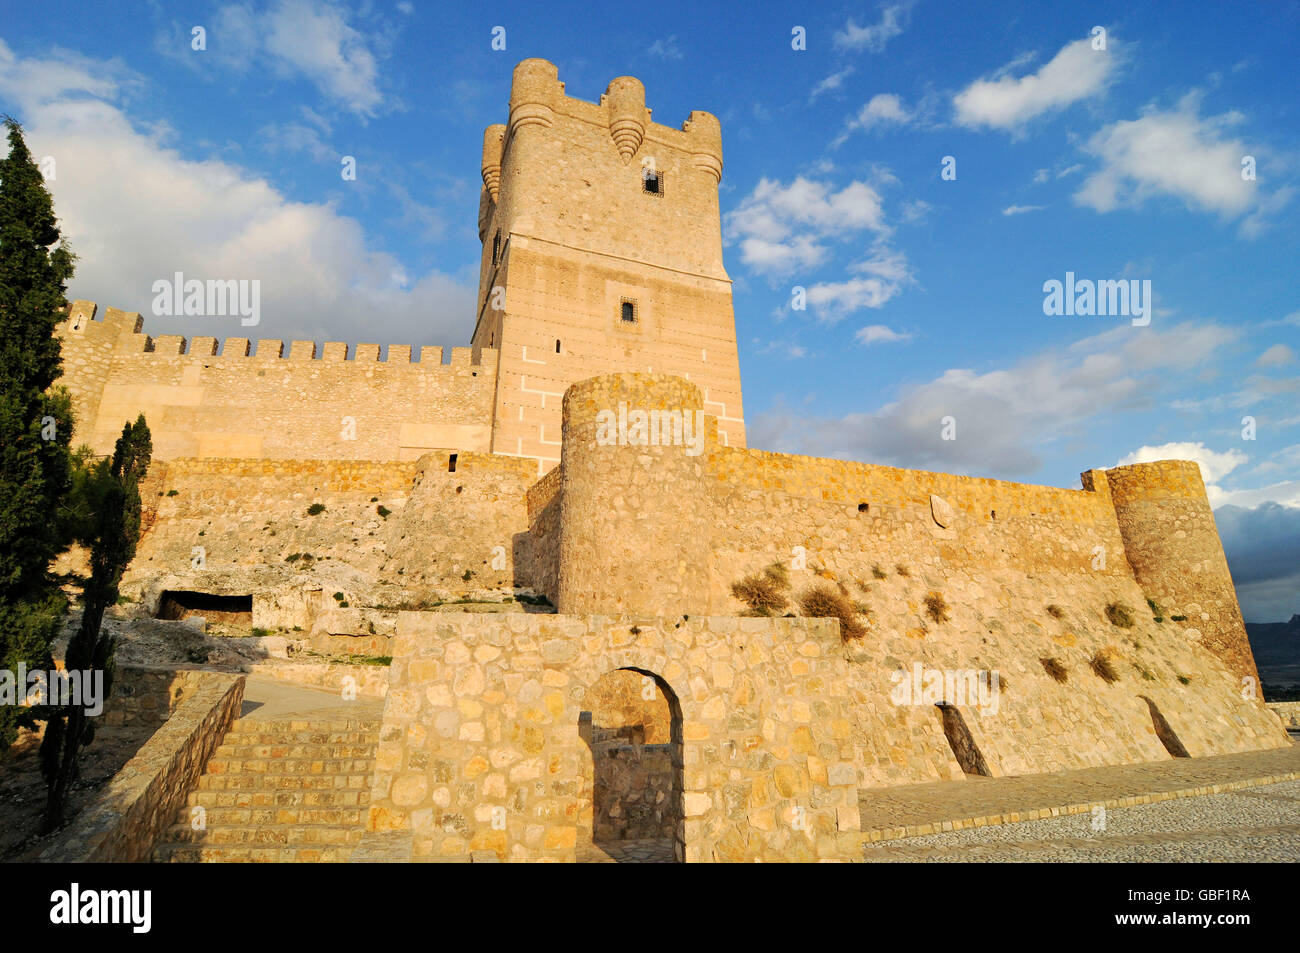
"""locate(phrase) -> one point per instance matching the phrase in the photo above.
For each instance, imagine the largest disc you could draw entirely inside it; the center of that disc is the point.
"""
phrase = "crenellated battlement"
(126, 329)
(205, 397)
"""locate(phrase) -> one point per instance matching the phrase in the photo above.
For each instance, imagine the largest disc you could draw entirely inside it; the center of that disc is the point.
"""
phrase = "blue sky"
(924, 294)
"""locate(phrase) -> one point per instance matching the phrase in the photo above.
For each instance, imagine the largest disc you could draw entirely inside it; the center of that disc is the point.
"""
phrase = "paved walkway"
(266, 699)
(1250, 825)
(923, 809)
(648, 851)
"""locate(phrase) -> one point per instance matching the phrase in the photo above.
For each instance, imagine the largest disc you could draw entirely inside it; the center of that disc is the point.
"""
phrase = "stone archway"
(631, 722)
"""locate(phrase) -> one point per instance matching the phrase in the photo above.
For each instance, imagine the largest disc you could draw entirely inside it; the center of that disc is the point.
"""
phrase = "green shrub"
(316, 509)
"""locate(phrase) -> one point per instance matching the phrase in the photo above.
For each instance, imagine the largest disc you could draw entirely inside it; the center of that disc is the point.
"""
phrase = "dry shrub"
(1054, 668)
(1103, 668)
(765, 592)
(935, 607)
(823, 602)
(1119, 615)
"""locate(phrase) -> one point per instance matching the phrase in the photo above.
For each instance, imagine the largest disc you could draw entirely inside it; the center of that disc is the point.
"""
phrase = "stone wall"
(481, 746)
(143, 798)
(280, 402)
(1174, 548)
(390, 534)
(634, 791)
(147, 696)
(1289, 712)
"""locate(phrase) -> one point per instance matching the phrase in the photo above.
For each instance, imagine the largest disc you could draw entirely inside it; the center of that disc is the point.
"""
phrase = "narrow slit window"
(451, 463)
(557, 345)
(496, 248)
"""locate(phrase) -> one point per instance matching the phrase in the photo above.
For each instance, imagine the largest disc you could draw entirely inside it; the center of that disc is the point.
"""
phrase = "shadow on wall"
(632, 725)
(215, 608)
(1168, 737)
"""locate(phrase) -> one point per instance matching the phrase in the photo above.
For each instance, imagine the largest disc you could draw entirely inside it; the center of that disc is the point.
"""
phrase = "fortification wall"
(296, 402)
(544, 522)
(947, 572)
(481, 747)
(463, 527)
(1174, 548)
(244, 527)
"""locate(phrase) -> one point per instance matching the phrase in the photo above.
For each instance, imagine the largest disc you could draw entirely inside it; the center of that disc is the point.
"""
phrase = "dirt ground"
(22, 787)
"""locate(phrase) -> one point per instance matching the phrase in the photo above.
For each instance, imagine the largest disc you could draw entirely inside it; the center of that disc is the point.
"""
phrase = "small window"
(557, 345)
(629, 311)
(863, 507)
(496, 248)
(652, 181)
(451, 464)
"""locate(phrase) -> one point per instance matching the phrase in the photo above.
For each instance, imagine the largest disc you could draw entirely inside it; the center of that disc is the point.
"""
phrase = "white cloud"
(1178, 153)
(831, 83)
(893, 20)
(136, 210)
(881, 109)
(1022, 209)
(833, 300)
(1076, 72)
(879, 334)
(781, 227)
(291, 39)
(1279, 355)
(666, 49)
(1005, 419)
(1215, 465)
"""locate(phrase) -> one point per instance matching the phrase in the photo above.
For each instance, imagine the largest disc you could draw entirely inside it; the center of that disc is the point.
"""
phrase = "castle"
(1108, 613)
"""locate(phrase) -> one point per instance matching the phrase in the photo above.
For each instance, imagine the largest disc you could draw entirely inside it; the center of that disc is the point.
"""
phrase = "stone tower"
(602, 253)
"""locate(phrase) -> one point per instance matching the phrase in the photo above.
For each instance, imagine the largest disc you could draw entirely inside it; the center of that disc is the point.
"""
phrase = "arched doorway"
(632, 723)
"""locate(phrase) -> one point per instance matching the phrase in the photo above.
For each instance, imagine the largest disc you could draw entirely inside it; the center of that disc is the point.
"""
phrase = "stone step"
(244, 854)
(267, 835)
(272, 798)
(285, 782)
(215, 817)
(234, 751)
(290, 766)
(271, 737)
(306, 724)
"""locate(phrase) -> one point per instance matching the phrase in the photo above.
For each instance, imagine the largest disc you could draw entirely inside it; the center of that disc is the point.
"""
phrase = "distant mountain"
(1277, 650)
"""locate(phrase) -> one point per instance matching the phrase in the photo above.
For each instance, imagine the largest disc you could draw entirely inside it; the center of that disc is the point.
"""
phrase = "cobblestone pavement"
(1260, 824)
(649, 851)
(924, 809)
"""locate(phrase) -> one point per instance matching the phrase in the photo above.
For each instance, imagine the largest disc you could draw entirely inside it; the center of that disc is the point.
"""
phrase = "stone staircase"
(279, 792)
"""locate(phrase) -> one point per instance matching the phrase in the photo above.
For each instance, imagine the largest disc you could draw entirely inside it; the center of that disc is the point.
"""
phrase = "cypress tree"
(116, 500)
(35, 422)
